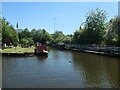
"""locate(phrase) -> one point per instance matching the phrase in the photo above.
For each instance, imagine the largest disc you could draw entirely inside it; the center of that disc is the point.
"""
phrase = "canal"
(60, 69)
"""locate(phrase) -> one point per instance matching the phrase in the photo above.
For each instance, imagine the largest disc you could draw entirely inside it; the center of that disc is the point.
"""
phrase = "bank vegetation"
(95, 30)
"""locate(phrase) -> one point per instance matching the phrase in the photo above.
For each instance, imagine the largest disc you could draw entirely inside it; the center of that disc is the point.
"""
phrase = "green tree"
(95, 27)
(25, 42)
(24, 34)
(9, 34)
(67, 39)
(41, 36)
(76, 37)
(58, 37)
(113, 32)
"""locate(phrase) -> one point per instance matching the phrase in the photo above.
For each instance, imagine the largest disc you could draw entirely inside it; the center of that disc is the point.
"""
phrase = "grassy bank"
(17, 50)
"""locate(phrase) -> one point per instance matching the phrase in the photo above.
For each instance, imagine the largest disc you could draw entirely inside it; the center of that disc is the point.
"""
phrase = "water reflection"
(60, 69)
(44, 57)
(96, 70)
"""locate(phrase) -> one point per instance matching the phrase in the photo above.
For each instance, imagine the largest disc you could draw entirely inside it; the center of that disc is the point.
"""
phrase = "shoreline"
(105, 52)
(92, 50)
(117, 55)
(18, 54)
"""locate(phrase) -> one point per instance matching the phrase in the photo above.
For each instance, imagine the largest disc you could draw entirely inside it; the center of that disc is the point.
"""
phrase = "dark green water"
(61, 69)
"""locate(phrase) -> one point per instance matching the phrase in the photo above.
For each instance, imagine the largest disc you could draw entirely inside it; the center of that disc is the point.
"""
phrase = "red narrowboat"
(41, 49)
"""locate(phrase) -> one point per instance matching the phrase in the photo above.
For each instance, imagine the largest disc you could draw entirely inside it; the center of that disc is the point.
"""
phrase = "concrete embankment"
(18, 54)
(100, 50)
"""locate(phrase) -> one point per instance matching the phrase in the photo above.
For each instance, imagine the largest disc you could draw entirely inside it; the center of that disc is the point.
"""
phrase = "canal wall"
(101, 50)
(18, 54)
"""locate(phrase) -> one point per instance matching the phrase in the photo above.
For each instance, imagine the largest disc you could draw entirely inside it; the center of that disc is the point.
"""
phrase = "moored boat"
(41, 49)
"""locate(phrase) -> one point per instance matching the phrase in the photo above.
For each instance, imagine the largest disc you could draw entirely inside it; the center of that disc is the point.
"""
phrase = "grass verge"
(17, 50)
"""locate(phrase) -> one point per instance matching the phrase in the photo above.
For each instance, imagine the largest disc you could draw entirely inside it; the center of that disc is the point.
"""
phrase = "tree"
(14, 36)
(24, 34)
(58, 37)
(25, 42)
(44, 37)
(95, 27)
(26, 38)
(67, 39)
(9, 34)
(113, 32)
(40, 36)
(80, 36)
(76, 37)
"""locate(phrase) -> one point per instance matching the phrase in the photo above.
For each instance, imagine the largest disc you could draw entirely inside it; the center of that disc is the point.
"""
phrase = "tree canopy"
(95, 30)
(113, 32)
(9, 34)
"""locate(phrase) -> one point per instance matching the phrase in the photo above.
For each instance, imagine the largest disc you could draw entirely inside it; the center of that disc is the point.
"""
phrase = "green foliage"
(76, 37)
(9, 34)
(25, 42)
(93, 32)
(25, 38)
(94, 28)
(40, 36)
(58, 37)
(113, 32)
(67, 39)
(24, 34)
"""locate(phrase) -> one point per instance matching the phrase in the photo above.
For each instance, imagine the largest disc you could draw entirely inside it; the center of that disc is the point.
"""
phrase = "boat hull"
(41, 53)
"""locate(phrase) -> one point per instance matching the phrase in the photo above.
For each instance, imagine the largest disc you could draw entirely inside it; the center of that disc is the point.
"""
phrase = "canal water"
(60, 69)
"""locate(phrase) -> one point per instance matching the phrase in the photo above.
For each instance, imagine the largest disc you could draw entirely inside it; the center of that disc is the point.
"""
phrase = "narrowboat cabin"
(41, 49)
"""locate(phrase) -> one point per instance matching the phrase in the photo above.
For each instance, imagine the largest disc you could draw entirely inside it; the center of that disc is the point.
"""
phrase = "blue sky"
(40, 15)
